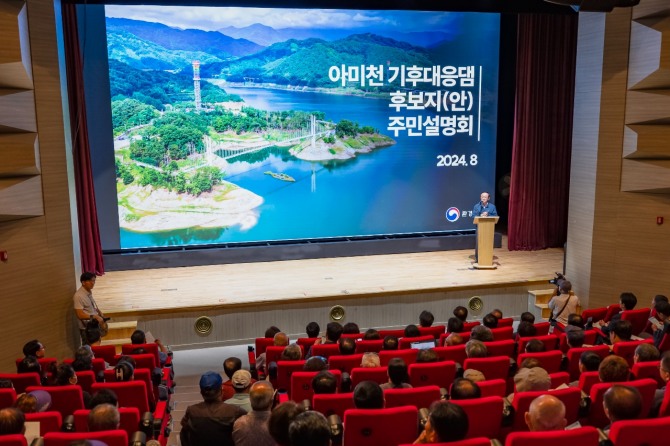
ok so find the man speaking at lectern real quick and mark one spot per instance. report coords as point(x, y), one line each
point(484, 208)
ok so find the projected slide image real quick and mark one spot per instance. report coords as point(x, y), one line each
point(248, 124)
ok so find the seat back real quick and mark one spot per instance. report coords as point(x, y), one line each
point(111, 438)
point(589, 339)
point(627, 349)
point(397, 332)
point(597, 417)
point(261, 344)
point(664, 346)
point(333, 404)
point(273, 354)
point(664, 411)
point(454, 353)
point(406, 343)
point(574, 354)
point(325, 350)
point(64, 399)
point(649, 432)
point(550, 342)
point(484, 416)
point(374, 345)
point(502, 333)
point(435, 331)
point(301, 384)
point(559, 378)
point(542, 328)
point(637, 318)
point(501, 348)
point(145, 361)
point(7, 398)
point(284, 371)
point(418, 397)
point(583, 436)
point(479, 441)
point(439, 374)
point(306, 343)
point(648, 370)
point(85, 379)
point(149, 348)
point(505, 322)
point(13, 440)
point(141, 375)
point(407, 354)
point(129, 393)
point(587, 380)
point(106, 352)
point(22, 381)
point(366, 427)
point(467, 326)
point(521, 403)
point(596, 314)
point(493, 387)
point(50, 421)
point(550, 361)
point(376, 374)
point(611, 311)
point(130, 420)
point(495, 367)
point(345, 363)
point(465, 335)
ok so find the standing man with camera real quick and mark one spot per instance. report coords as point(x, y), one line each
point(85, 306)
point(564, 304)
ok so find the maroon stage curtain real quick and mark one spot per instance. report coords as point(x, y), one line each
point(89, 235)
point(540, 183)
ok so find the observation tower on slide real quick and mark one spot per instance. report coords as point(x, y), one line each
point(196, 83)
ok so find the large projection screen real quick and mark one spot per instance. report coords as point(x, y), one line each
point(235, 124)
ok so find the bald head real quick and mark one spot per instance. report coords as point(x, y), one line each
point(546, 413)
point(261, 395)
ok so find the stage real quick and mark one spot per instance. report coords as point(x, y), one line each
point(380, 291)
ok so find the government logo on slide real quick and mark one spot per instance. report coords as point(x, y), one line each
point(453, 214)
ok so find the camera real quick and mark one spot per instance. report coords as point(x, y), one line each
point(558, 279)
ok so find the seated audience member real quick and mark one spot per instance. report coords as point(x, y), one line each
point(280, 421)
point(461, 313)
point(83, 360)
point(530, 380)
point(65, 375)
point(291, 352)
point(589, 362)
point(241, 383)
point(12, 421)
point(324, 383)
point(474, 375)
point(526, 330)
point(309, 429)
point(139, 337)
point(124, 371)
point(271, 332)
point(656, 299)
point(209, 422)
point(627, 301)
point(347, 346)
point(33, 402)
point(646, 353)
point(546, 413)
point(622, 403)
point(368, 395)
point(315, 364)
point(333, 333)
point(530, 363)
point(230, 366)
point(475, 349)
point(34, 348)
point(390, 343)
point(574, 336)
point(252, 429)
point(426, 355)
point(481, 333)
point(30, 364)
point(613, 369)
point(351, 328)
point(312, 329)
point(6, 384)
point(412, 331)
point(497, 313)
point(490, 321)
point(464, 389)
point(426, 318)
point(447, 422)
point(575, 320)
point(371, 335)
point(454, 325)
point(280, 339)
point(92, 337)
point(663, 316)
point(534, 346)
point(453, 339)
point(104, 417)
point(104, 396)
point(664, 371)
point(398, 375)
point(621, 331)
point(527, 316)
point(370, 359)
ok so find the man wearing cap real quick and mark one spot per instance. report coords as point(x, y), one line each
point(241, 383)
point(210, 422)
point(252, 428)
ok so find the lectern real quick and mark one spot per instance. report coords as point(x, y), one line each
point(485, 226)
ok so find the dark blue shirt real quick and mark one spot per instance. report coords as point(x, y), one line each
point(490, 208)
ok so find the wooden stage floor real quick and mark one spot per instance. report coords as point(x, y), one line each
point(166, 290)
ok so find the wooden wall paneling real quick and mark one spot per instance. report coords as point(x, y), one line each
point(20, 197)
point(652, 176)
point(646, 141)
point(15, 65)
point(20, 154)
point(649, 53)
point(17, 111)
point(648, 8)
point(648, 106)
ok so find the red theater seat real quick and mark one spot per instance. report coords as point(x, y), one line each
point(597, 417)
point(50, 421)
point(542, 328)
point(284, 371)
point(380, 427)
point(648, 370)
point(611, 311)
point(596, 314)
point(501, 348)
point(587, 380)
point(627, 349)
point(306, 343)
point(261, 344)
point(650, 432)
point(559, 378)
point(589, 339)
point(406, 343)
point(550, 342)
point(301, 384)
point(22, 381)
point(454, 353)
point(505, 322)
point(574, 354)
point(345, 363)
point(130, 420)
point(479, 441)
point(521, 403)
point(336, 403)
point(584, 436)
point(376, 374)
point(111, 438)
point(439, 374)
point(408, 355)
point(106, 352)
point(550, 361)
point(495, 367)
point(493, 387)
point(484, 416)
point(468, 326)
point(502, 333)
point(13, 440)
point(637, 318)
point(365, 346)
point(418, 397)
point(7, 398)
point(85, 379)
point(325, 350)
point(398, 333)
point(435, 331)
point(64, 399)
